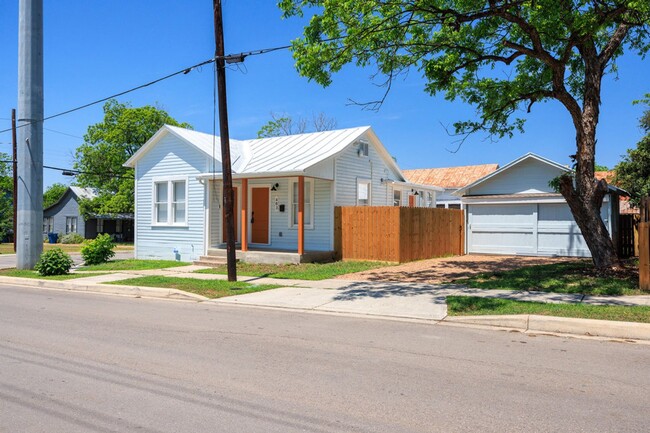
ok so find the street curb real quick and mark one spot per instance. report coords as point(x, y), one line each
point(560, 325)
point(136, 291)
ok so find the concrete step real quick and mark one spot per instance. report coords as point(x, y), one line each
point(210, 261)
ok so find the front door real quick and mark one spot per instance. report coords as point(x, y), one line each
point(259, 215)
point(223, 216)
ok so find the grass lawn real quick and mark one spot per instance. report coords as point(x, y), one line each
point(566, 277)
point(303, 271)
point(475, 306)
point(207, 288)
point(34, 274)
point(133, 265)
point(68, 248)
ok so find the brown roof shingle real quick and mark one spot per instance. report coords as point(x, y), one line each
point(449, 177)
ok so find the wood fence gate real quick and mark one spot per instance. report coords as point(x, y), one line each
point(644, 245)
point(626, 241)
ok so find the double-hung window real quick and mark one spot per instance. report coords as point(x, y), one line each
point(397, 197)
point(170, 202)
point(308, 216)
point(71, 225)
point(100, 225)
point(48, 224)
point(363, 192)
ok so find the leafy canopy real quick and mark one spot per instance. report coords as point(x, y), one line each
point(633, 172)
point(280, 125)
point(107, 145)
point(498, 55)
point(53, 193)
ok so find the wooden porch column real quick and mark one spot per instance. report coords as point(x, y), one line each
point(244, 214)
point(301, 215)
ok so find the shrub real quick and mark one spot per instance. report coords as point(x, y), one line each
point(71, 238)
point(54, 262)
point(99, 250)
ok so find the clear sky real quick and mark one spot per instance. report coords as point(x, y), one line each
point(94, 49)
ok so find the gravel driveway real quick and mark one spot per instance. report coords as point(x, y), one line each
point(448, 269)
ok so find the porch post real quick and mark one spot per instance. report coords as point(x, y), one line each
point(301, 215)
point(244, 214)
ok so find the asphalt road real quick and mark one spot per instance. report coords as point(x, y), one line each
point(73, 362)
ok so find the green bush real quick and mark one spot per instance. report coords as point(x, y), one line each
point(71, 238)
point(99, 250)
point(54, 262)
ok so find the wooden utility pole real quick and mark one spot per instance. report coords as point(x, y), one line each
point(228, 197)
point(14, 168)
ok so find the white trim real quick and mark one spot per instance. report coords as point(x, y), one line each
point(401, 195)
point(291, 182)
point(249, 230)
point(135, 215)
point(365, 181)
point(170, 194)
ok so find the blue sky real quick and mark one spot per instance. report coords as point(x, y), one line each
point(95, 49)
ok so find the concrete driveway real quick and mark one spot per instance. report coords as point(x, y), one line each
point(450, 269)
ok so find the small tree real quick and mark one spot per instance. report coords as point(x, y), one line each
point(280, 125)
point(633, 172)
point(53, 193)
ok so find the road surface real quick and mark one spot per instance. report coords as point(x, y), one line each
point(72, 362)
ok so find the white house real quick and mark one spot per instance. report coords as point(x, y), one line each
point(513, 210)
point(178, 192)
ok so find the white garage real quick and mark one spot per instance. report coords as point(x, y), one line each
point(514, 211)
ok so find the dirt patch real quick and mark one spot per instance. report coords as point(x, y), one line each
point(449, 269)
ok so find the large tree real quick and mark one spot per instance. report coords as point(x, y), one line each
point(283, 124)
point(500, 56)
point(107, 145)
point(53, 193)
point(633, 172)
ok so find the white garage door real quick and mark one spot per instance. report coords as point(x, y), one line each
point(543, 229)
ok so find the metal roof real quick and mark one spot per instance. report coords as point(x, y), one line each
point(84, 193)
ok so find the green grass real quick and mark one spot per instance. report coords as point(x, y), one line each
point(133, 265)
point(207, 288)
point(475, 306)
point(303, 271)
point(34, 274)
point(566, 277)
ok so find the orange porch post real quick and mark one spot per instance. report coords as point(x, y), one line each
point(301, 215)
point(244, 214)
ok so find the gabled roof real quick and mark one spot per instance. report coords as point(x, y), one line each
point(286, 155)
point(449, 177)
point(81, 193)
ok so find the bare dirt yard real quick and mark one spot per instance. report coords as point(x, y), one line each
point(449, 269)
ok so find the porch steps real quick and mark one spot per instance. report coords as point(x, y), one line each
point(210, 260)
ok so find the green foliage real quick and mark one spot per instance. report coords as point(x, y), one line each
point(54, 262)
point(633, 172)
point(107, 145)
point(599, 167)
point(501, 57)
point(53, 193)
point(99, 250)
point(71, 238)
point(6, 196)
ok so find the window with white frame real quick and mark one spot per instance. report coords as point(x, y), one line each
point(170, 202)
point(100, 225)
point(48, 224)
point(397, 197)
point(429, 199)
point(363, 192)
point(363, 148)
point(71, 225)
point(308, 216)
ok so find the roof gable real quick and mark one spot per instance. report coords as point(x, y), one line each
point(528, 174)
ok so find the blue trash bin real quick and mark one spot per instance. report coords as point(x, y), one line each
point(53, 237)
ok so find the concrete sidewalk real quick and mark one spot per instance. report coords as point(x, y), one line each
point(414, 301)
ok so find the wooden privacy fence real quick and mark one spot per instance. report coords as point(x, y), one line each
point(644, 246)
point(397, 234)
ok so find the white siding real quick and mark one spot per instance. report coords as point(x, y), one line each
point(349, 167)
point(171, 157)
point(529, 176)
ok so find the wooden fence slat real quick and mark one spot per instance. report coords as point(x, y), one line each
point(644, 256)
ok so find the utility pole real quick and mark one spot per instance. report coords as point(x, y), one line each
point(29, 239)
point(14, 170)
point(226, 170)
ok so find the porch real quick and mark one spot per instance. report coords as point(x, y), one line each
point(217, 256)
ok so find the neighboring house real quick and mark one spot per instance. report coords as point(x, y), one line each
point(449, 178)
point(624, 202)
point(179, 191)
point(63, 217)
point(514, 211)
